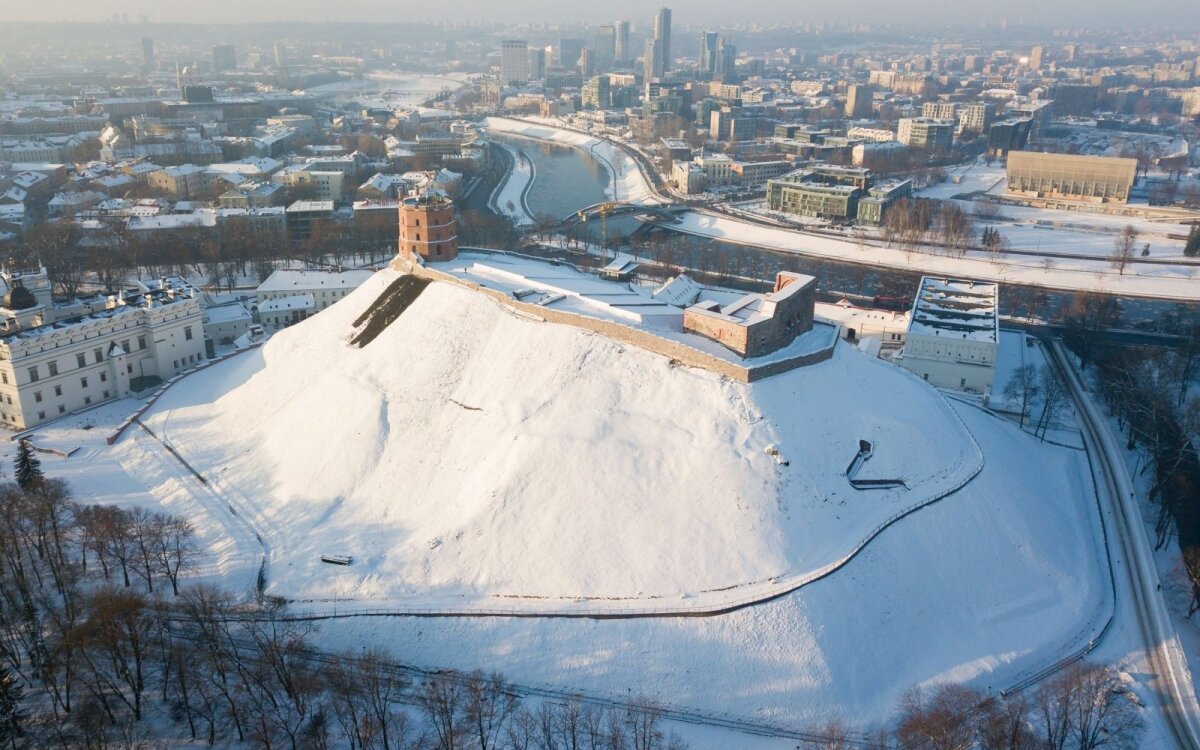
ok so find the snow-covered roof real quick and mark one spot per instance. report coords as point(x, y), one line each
point(172, 221)
point(226, 313)
point(755, 308)
point(292, 302)
point(286, 279)
point(680, 291)
point(183, 170)
point(955, 308)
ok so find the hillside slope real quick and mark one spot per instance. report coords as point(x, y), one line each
point(466, 455)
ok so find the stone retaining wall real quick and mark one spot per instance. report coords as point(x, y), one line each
point(674, 350)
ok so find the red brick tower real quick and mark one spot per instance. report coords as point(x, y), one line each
point(428, 228)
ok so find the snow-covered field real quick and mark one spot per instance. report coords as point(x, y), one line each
point(471, 459)
point(982, 588)
point(627, 183)
point(1055, 230)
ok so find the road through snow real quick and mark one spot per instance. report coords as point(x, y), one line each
point(1175, 690)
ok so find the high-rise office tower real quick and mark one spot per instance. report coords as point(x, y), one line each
point(652, 62)
point(280, 55)
point(858, 100)
point(537, 62)
point(224, 57)
point(662, 33)
point(621, 51)
point(566, 54)
point(149, 62)
point(1035, 57)
point(708, 55)
point(725, 64)
point(604, 44)
point(514, 61)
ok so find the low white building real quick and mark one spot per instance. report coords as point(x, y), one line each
point(281, 312)
point(323, 287)
point(954, 334)
point(56, 359)
point(856, 323)
point(225, 323)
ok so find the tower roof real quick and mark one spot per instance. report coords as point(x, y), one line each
point(19, 298)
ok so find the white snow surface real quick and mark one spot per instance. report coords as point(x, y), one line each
point(468, 457)
point(1004, 579)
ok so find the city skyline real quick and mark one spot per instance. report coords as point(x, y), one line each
point(1102, 13)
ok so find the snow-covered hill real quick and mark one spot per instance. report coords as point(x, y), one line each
point(470, 457)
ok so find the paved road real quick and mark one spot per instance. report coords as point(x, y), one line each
point(1171, 676)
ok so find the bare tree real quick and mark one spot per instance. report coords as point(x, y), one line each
point(833, 734)
point(146, 528)
point(175, 549)
point(1005, 724)
point(1123, 248)
point(642, 720)
point(1087, 707)
point(280, 676)
point(938, 719)
point(113, 642)
point(214, 647)
point(571, 721)
point(1088, 317)
point(443, 699)
point(115, 532)
point(521, 731)
point(1023, 386)
point(489, 704)
point(1054, 396)
point(1104, 713)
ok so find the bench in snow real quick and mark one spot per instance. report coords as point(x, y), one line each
point(337, 559)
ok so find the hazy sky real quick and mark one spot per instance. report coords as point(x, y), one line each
point(1090, 13)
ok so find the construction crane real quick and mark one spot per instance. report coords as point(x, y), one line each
point(602, 210)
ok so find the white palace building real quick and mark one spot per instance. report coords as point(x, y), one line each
point(59, 358)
